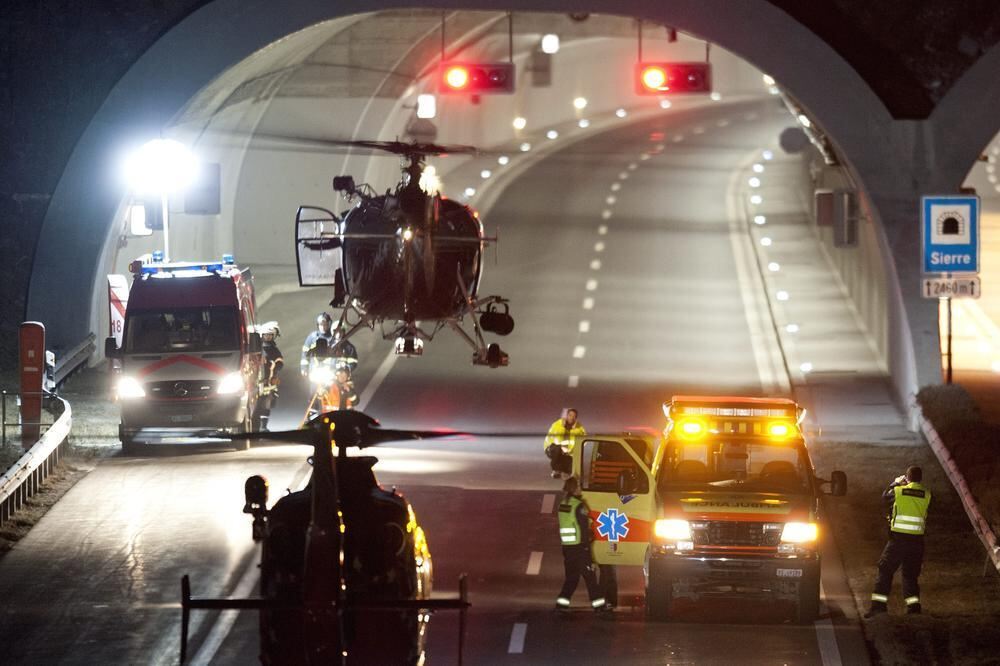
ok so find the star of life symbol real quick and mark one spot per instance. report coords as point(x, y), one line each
point(612, 524)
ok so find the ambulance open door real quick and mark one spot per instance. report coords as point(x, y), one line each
point(623, 521)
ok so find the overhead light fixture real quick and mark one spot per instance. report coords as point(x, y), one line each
point(580, 103)
point(525, 147)
point(550, 43)
point(583, 123)
point(621, 113)
point(503, 160)
point(552, 134)
point(426, 106)
point(520, 123)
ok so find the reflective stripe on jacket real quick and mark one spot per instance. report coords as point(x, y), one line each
point(574, 522)
point(909, 509)
point(560, 434)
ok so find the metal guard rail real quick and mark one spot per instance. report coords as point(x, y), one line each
point(73, 358)
point(24, 477)
point(979, 523)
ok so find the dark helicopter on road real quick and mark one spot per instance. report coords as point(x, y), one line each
point(409, 257)
point(345, 570)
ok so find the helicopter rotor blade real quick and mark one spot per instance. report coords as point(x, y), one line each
point(395, 147)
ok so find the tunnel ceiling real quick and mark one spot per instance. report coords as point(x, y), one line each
point(382, 54)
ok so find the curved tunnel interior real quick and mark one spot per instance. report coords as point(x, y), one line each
point(649, 241)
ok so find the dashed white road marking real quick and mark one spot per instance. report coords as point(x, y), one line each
point(633, 166)
point(574, 381)
point(585, 326)
point(678, 138)
point(595, 265)
point(548, 502)
point(615, 187)
point(699, 130)
point(605, 214)
point(588, 303)
point(602, 230)
point(534, 563)
point(579, 351)
point(517, 634)
point(644, 157)
point(591, 285)
point(599, 246)
point(611, 199)
point(623, 175)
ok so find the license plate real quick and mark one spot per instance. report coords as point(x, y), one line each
point(789, 573)
point(181, 418)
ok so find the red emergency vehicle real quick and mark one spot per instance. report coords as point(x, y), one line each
point(188, 353)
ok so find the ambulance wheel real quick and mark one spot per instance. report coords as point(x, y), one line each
point(807, 606)
point(659, 595)
point(244, 428)
point(130, 447)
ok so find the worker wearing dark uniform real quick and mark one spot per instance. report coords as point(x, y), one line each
point(907, 523)
point(575, 534)
point(271, 364)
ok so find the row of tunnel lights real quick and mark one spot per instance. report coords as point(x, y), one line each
point(520, 123)
point(766, 241)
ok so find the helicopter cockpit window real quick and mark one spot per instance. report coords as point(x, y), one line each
point(317, 246)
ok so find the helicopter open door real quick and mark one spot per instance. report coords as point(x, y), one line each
point(318, 247)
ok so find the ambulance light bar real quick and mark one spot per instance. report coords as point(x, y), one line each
point(182, 268)
point(735, 411)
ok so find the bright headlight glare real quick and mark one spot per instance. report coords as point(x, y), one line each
point(321, 375)
point(231, 383)
point(800, 532)
point(129, 387)
point(673, 529)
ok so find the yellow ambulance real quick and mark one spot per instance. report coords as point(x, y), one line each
point(725, 504)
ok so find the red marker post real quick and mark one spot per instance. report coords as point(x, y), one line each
point(31, 338)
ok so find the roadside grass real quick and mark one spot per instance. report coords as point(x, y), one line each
point(960, 597)
point(974, 443)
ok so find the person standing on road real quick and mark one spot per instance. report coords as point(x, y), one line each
point(575, 534)
point(324, 324)
point(269, 369)
point(907, 523)
point(560, 441)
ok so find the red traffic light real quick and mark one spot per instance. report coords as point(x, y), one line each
point(477, 77)
point(659, 78)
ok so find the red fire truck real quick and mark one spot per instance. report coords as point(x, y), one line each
point(187, 352)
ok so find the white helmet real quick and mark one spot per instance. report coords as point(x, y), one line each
point(270, 327)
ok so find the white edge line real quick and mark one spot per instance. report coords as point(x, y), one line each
point(517, 634)
point(826, 638)
point(380, 375)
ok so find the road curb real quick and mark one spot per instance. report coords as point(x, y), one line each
point(979, 523)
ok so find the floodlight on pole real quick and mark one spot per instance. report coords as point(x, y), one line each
point(161, 167)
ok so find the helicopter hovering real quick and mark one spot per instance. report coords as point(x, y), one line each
point(345, 571)
point(408, 257)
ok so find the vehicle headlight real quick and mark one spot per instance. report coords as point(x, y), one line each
point(129, 388)
point(321, 375)
point(800, 532)
point(673, 529)
point(231, 383)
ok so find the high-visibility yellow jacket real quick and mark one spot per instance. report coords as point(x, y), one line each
point(574, 522)
point(560, 434)
point(909, 509)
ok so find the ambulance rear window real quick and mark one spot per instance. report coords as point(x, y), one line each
point(182, 329)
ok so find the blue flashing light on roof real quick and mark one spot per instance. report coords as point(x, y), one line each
point(228, 259)
point(182, 269)
point(157, 255)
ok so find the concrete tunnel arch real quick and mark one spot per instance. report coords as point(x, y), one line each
point(66, 290)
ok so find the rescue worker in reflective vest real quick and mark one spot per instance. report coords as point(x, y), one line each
point(575, 534)
point(907, 524)
point(560, 441)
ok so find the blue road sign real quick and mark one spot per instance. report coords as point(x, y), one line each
point(950, 234)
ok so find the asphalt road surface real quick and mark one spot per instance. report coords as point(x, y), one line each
point(616, 311)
